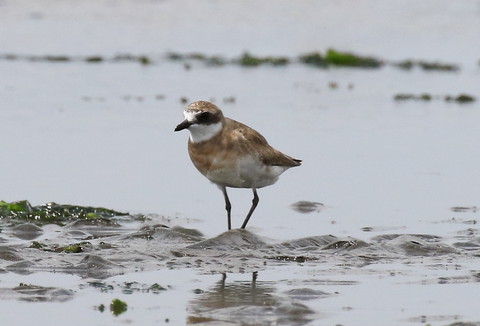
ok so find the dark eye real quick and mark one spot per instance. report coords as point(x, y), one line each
point(204, 117)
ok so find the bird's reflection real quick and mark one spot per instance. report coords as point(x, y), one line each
point(238, 293)
point(251, 302)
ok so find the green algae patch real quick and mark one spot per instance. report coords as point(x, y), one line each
point(101, 307)
point(157, 288)
point(438, 66)
point(73, 248)
point(208, 60)
point(348, 59)
point(404, 97)
point(18, 206)
point(245, 60)
point(425, 97)
point(54, 58)
point(339, 58)
point(330, 58)
point(460, 99)
point(118, 307)
point(314, 59)
point(413, 97)
point(405, 64)
point(174, 56)
point(76, 247)
point(248, 60)
point(94, 59)
point(144, 60)
point(427, 65)
point(21, 211)
point(38, 245)
point(215, 61)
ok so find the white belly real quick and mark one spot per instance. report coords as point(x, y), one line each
point(246, 173)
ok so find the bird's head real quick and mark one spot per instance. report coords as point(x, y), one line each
point(203, 119)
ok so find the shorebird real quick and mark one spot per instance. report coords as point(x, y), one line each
point(231, 154)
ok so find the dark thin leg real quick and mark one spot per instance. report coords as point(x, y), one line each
point(228, 207)
point(254, 205)
point(254, 287)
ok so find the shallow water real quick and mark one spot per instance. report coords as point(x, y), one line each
point(394, 239)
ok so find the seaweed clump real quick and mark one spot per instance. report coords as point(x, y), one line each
point(461, 99)
point(331, 57)
point(338, 58)
point(415, 97)
point(52, 212)
point(118, 307)
point(438, 66)
point(427, 66)
point(249, 60)
point(142, 59)
point(52, 58)
point(314, 59)
point(94, 59)
point(209, 60)
point(351, 60)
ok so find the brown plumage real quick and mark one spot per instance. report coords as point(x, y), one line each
point(231, 154)
point(233, 141)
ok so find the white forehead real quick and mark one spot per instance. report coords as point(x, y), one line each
point(190, 115)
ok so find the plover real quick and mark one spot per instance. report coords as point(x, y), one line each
point(231, 154)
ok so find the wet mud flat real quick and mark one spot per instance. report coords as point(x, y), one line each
point(235, 278)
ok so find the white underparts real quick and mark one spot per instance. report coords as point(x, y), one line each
point(246, 172)
point(199, 132)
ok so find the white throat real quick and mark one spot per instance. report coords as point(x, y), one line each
point(199, 133)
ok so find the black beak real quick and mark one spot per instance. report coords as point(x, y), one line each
point(183, 125)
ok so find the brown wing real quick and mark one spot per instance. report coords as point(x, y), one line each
point(249, 140)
